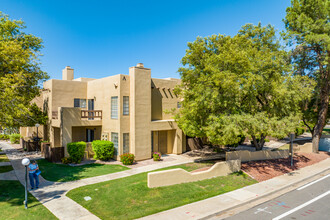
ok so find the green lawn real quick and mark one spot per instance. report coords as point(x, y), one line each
point(4, 169)
point(3, 158)
point(285, 147)
point(130, 197)
point(12, 195)
point(64, 173)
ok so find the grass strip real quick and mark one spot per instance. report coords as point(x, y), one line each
point(63, 173)
point(3, 158)
point(12, 207)
point(130, 197)
point(4, 169)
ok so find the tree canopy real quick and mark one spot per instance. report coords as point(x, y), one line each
point(308, 32)
point(239, 85)
point(20, 74)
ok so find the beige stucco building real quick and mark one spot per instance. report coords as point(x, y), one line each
point(126, 109)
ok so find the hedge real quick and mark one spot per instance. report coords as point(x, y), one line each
point(4, 136)
point(103, 150)
point(76, 151)
point(14, 138)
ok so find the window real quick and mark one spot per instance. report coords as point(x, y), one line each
point(114, 107)
point(79, 103)
point(126, 105)
point(126, 143)
point(179, 104)
point(114, 139)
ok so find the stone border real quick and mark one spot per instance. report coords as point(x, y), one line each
point(246, 156)
point(177, 176)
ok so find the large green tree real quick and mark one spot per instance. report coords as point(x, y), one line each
point(20, 74)
point(239, 85)
point(308, 27)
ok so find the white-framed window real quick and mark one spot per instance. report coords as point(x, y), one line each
point(125, 143)
point(79, 103)
point(126, 105)
point(114, 107)
point(114, 140)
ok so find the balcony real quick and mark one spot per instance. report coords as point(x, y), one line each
point(91, 114)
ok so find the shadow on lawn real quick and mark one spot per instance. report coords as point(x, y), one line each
point(14, 194)
point(281, 165)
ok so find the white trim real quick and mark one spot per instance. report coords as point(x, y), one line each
point(311, 183)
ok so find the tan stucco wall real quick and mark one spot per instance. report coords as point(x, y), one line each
point(245, 155)
point(140, 115)
point(306, 148)
point(163, 98)
point(177, 176)
point(28, 132)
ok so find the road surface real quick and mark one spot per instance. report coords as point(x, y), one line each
point(311, 201)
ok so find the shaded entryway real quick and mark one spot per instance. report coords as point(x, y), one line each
point(163, 141)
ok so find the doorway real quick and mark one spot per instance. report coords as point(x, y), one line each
point(90, 107)
point(89, 135)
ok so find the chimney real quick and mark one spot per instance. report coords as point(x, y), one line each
point(67, 73)
point(140, 65)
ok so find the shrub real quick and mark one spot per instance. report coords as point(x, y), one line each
point(76, 151)
point(14, 138)
point(299, 131)
point(156, 156)
point(4, 136)
point(66, 160)
point(127, 159)
point(103, 150)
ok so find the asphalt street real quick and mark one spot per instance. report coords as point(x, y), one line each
point(311, 201)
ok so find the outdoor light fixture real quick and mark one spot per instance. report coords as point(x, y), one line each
point(292, 137)
point(25, 162)
point(37, 125)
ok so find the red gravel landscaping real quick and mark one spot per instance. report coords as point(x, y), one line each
point(267, 169)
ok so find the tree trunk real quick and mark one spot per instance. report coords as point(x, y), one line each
point(323, 111)
point(258, 145)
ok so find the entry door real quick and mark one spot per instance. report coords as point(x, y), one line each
point(89, 135)
point(162, 142)
point(91, 107)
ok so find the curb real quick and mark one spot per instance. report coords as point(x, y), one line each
point(266, 195)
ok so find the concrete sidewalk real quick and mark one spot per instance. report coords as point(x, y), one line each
point(52, 194)
point(211, 206)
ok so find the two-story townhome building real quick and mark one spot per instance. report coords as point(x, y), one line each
point(125, 109)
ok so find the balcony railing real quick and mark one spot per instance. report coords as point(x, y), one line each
point(91, 114)
point(54, 114)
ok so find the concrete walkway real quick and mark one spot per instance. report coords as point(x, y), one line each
point(212, 206)
point(52, 194)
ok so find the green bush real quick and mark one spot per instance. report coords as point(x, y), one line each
point(299, 131)
point(156, 156)
point(14, 138)
point(4, 136)
point(103, 150)
point(76, 151)
point(240, 141)
point(66, 160)
point(127, 159)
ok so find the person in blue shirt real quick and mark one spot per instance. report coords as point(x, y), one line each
point(32, 168)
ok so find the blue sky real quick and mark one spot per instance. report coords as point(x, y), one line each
point(103, 38)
